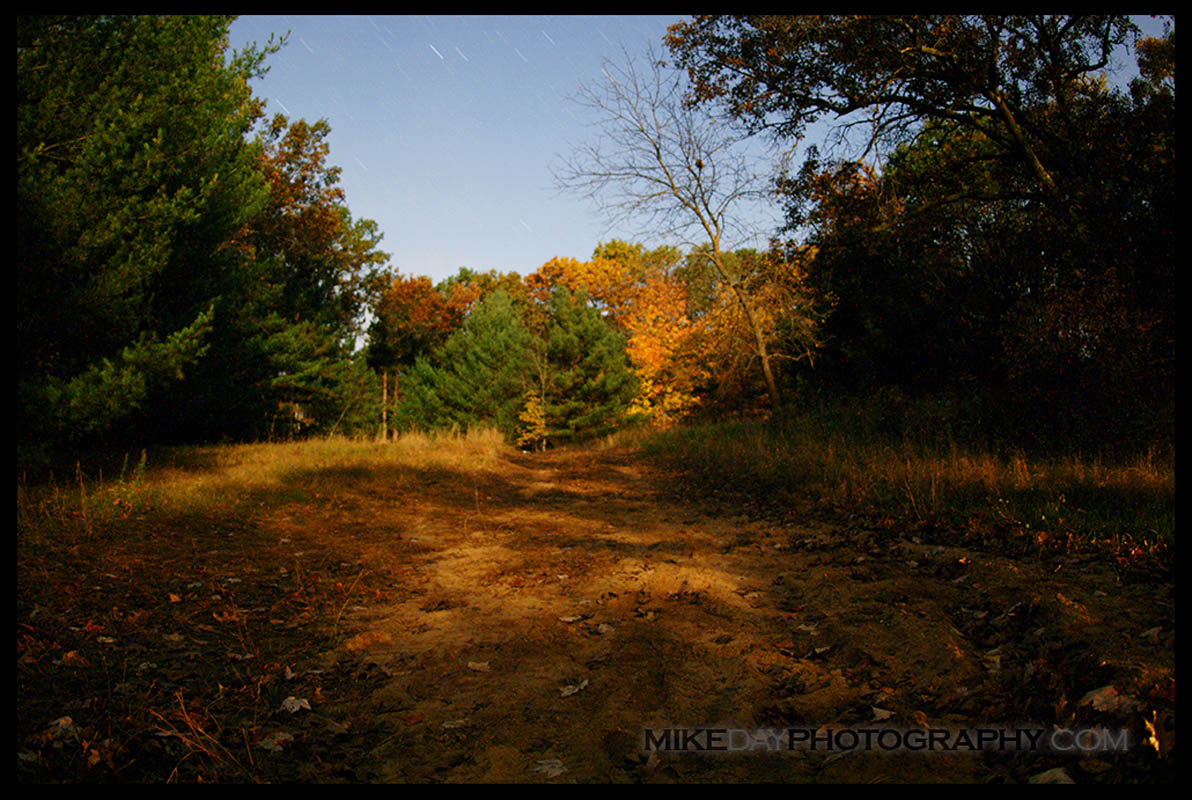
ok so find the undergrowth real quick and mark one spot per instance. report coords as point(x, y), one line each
point(919, 466)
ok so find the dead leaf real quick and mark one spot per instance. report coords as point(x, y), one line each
point(551, 767)
point(1159, 736)
point(880, 714)
point(72, 659)
point(1107, 698)
point(1057, 775)
point(175, 598)
point(478, 666)
point(1151, 634)
point(294, 705)
point(567, 691)
point(274, 742)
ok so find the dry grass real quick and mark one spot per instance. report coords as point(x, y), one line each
point(212, 480)
point(136, 582)
point(1130, 500)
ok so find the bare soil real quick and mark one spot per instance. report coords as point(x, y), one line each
point(530, 623)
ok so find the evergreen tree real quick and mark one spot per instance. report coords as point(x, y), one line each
point(589, 382)
point(133, 177)
point(477, 377)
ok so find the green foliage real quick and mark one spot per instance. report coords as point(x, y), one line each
point(133, 174)
point(589, 382)
point(177, 280)
point(477, 378)
point(105, 392)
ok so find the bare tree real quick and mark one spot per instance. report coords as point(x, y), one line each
point(672, 169)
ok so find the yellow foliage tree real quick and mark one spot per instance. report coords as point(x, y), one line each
point(665, 347)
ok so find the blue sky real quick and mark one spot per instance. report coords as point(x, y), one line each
point(446, 127)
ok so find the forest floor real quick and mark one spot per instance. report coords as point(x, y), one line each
point(545, 617)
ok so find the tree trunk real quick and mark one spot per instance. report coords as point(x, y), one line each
point(385, 404)
point(758, 339)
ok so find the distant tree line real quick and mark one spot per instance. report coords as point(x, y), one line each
point(996, 226)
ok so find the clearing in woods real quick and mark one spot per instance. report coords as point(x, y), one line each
point(527, 618)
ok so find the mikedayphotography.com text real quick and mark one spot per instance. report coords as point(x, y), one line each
point(1076, 741)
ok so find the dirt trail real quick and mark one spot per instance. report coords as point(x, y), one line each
point(541, 615)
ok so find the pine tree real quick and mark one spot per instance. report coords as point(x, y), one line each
point(133, 177)
point(590, 384)
point(477, 377)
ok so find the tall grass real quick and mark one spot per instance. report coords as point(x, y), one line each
point(211, 481)
point(918, 463)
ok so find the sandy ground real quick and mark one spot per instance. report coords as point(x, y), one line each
point(532, 622)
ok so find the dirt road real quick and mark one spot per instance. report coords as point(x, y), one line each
point(531, 622)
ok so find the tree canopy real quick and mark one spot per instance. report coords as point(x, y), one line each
point(1000, 217)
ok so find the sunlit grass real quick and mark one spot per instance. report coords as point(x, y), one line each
point(213, 480)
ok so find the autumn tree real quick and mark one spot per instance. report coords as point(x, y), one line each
point(662, 162)
point(1012, 226)
point(788, 316)
point(291, 325)
point(412, 319)
point(887, 74)
point(468, 286)
point(667, 350)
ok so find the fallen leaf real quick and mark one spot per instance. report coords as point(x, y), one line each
point(567, 691)
point(1095, 766)
point(551, 767)
point(294, 705)
point(572, 618)
point(1057, 775)
point(275, 741)
point(1107, 698)
point(73, 659)
point(1151, 634)
point(1159, 736)
point(175, 598)
point(478, 666)
point(880, 714)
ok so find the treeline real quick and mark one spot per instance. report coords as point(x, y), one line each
point(1003, 239)
point(578, 349)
